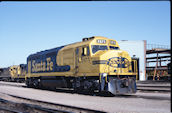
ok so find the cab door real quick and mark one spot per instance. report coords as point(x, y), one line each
point(82, 60)
point(76, 61)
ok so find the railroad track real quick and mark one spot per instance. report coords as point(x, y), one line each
point(12, 107)
point(154, 86)
point(153, 89)
point(36, 106)
point(13, 84)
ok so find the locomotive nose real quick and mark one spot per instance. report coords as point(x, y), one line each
point(116, 58)
point(114, 53)
point(115, 62)
point(117, 67)
point(118, 62)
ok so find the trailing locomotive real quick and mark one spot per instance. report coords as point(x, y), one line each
point(18, 72)
point(96, 63)
point(5, 74)
point(15, 73)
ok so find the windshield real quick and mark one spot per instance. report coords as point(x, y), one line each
point(113, 48)
point(96, 48)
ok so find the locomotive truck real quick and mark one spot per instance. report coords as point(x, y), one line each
point(96, 63)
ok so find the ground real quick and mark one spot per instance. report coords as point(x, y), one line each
point(141, 102)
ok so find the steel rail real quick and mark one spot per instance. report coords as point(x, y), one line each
point(36, 107)
point(71, 108)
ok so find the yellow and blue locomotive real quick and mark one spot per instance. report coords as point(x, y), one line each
point(15, 73)
point(18, 72)
point(96, 63)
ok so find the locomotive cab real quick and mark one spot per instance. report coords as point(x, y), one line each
point(116, 75)
point(104, 59)
point(114, 67)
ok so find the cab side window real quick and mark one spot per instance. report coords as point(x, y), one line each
point(85, 51)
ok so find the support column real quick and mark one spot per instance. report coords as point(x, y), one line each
point(155, 67)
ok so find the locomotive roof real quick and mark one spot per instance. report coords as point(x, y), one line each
point(72, 45)
point(88, 41)
point(46, 51)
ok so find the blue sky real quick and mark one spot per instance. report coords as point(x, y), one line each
point(29, 27)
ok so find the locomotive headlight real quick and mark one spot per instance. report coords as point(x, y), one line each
point(104, 74)
point(104, 77)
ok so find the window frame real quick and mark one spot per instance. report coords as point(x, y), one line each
point(99, 49)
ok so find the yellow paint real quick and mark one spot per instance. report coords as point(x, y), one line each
point(41, 66)
point(81, 64)
point(17, 72)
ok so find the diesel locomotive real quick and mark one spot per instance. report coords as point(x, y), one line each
point(95, 63)
point(18, 72)
point(5, 74)
point(15, 73)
